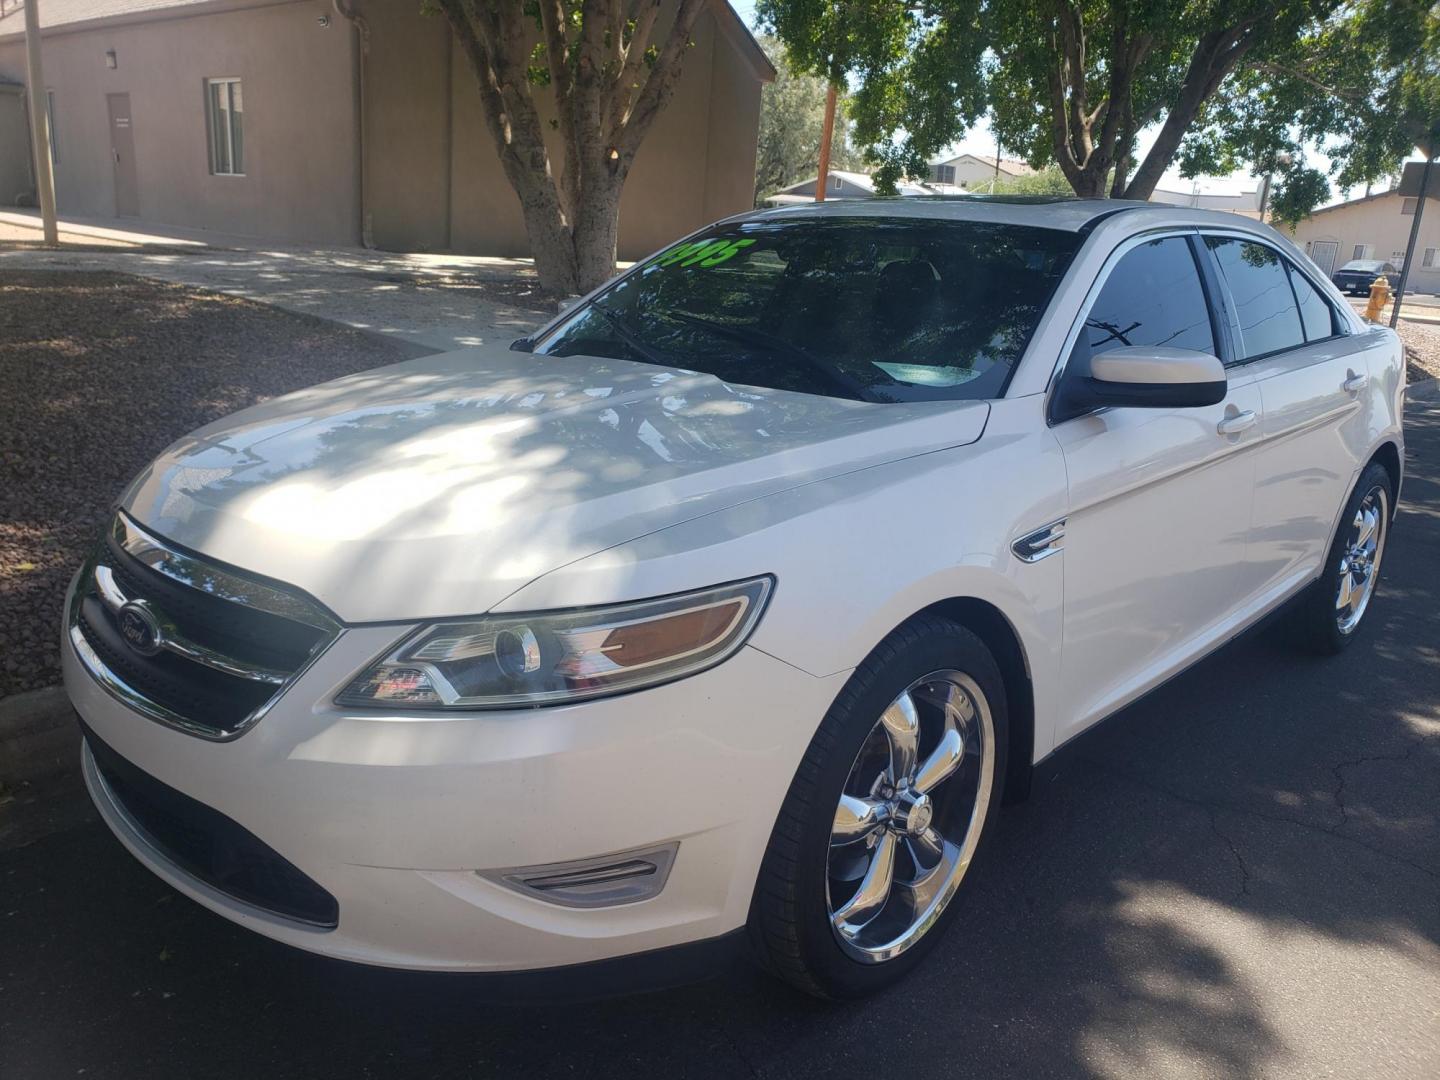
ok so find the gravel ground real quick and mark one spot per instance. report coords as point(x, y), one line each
point(100, 372)
point(1422, 349)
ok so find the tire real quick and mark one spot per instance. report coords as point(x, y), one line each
point(1323, 625)
point(798, 923)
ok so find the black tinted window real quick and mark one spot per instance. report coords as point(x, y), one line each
point(872, 308)
point(1316, 314)
point(1264, 305)
point(1152, 297)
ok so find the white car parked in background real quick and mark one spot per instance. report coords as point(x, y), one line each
point(737, 596)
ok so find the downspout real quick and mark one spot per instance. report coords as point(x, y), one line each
point(362, 48)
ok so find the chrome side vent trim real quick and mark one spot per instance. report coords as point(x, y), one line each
point(1040, 544)
point(624, 878)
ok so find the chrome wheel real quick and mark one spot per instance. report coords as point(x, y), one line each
point(910, 815)
point(1360, 554)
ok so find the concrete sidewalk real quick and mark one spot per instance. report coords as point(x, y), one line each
point(431, 302)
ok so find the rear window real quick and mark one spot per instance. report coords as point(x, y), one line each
point(873, 309)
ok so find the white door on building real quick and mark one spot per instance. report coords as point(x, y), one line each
point(1322, 253)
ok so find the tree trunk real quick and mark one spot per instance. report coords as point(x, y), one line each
point(595, 235)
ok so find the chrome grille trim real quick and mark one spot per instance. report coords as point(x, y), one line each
point(172, 639)
point(207, 577)
point(97, 582)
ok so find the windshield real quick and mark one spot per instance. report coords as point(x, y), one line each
point(873, 309)
point(1362, 264)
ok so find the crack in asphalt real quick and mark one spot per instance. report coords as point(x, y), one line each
point(1336, 771)
point(1214, 813)
point(1211, 807)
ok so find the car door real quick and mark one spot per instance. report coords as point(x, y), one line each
point(1156, 538)
point(1312, 377)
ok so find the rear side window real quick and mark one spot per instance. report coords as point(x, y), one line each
point(1265, 307)
point(1316, 315)
point(1152, 297)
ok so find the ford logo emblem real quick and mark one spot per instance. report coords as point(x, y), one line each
point(139, 627)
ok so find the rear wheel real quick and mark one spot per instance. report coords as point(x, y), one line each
point(1331, 612)
point(885, 815)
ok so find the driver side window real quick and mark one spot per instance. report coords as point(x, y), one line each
point(1153, 296)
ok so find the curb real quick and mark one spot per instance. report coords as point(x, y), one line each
point(38, 736)
point(1424, 390)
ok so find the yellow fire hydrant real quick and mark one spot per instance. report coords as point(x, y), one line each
point(1379, 297)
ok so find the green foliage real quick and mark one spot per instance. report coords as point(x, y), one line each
point(792, 114)
point(1072, 83)
point(1047, 181)
point(1363, 86)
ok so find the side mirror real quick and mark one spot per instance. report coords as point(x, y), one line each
point(1143, 376)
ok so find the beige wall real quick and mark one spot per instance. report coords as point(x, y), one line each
point(1379, 223)
point(432, 178)
point(15, 178)
point(435, 179)
point(298, 128)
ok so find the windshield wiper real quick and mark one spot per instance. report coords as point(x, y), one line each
point(632, 340)
point(852, 387)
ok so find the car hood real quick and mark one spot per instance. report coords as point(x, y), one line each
point(439, 486)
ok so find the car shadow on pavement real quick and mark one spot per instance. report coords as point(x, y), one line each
point(1237, 876)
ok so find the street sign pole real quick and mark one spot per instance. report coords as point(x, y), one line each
point(1414, 239)
point(39, 122)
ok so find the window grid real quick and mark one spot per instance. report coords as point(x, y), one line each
point(1428, 260)
point(225, 108)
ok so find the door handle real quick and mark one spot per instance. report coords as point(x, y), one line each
point(1235, 424)
point(1353, 383)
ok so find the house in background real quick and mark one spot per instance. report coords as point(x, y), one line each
point(1244, 203)
point(840, 184)
point(973, 172)
point(1375, 227)
point(284, 119)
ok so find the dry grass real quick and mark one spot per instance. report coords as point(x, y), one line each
point(99, 373)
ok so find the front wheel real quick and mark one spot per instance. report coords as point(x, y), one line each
point(1331, 612)
point(885, 814)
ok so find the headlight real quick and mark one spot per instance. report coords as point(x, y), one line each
point(559, 656)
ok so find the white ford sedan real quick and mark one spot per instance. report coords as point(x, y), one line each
point(735, 599)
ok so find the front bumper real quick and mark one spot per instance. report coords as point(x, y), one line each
point(399, 816)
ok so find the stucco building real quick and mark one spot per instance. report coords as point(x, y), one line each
point(284, 119)
point(840, 184)
point(974, 172)
point(1375, 227)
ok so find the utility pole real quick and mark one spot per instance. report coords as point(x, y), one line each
point(1414, 239)
point(828, 133)
point(39, 122)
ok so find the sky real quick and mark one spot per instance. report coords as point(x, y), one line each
point(978, 140)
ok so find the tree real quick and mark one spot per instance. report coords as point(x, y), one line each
point(1047, 181)
point(605, 69)
point(1363, 85)
point(792, 113)
point(1069, 82)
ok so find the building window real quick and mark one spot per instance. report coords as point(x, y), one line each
point(1397, 257)
point(944, 174)
point(1428, 260)
point(1361, 251)
point(1408, 206)
point(225, 118)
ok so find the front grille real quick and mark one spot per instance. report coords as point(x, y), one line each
point(188, 642)
point(210, 846)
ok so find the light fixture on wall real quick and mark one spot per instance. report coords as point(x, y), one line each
point(110, 61)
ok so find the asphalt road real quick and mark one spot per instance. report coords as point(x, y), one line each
point(1239, 876)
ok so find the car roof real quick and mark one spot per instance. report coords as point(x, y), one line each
point(1044, 211)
